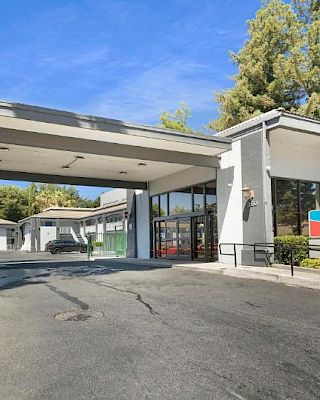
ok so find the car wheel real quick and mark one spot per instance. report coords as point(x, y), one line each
point(57, 251)
point(83, 250)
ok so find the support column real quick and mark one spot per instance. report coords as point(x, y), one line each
point(19, 244)
point(37, 230)
point(33, 234)
point(104, 224)
point(131, 221)
point(58, 229)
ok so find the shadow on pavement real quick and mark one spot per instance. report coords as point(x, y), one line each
point(17, 274)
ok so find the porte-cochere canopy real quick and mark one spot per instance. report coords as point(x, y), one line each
point(45, 145)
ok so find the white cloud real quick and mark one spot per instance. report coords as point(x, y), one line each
point(160, 87)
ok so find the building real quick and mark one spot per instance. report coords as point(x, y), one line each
point(65, 223)
point(186, 193)
point(8, 235)
point(265, 186)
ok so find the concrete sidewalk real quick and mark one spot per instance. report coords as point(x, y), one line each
point(308, 278)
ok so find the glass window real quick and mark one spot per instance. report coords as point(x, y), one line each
point(309, 200)
point(180, 201)
point(155, 206)
point(211, 196)
point(286, 207)
point(198, 198)
point(163, 205)
point(162, 237)
point(48, 223)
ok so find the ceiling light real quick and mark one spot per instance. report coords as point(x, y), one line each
point(76, 158)
point(123, 173)
point(4, 148)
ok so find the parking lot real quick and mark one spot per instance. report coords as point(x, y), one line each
point(143, 330)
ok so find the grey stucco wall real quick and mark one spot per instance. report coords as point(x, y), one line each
point(132, 233)
point(143, 224)
point(256, 219)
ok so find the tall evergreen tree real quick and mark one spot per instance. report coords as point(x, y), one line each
point(279, 65)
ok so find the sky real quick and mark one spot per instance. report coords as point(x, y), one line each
point(122, 59)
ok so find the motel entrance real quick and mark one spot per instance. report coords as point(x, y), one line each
point(187, 238)
point(184, 223)
point(53, 146)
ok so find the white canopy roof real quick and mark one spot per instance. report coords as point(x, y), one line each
point(45, 145)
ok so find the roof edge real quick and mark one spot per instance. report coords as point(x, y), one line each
point(268, 117)
point(116, 122)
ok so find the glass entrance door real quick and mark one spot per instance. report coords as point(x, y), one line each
point(184, 235)
point(205, 238)
point(199, 238)
point(173, 239)
point(212, 237)
point(187, 238)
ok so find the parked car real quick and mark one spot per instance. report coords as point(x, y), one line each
point(60, 246)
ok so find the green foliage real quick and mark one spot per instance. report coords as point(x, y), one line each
point(55, 196)
point(97, 244)
point(283, 245)
point(88, 203)
point(177, 120)
point(18, 203)
point(311, 263)
point(14, 203)
point(279, 65)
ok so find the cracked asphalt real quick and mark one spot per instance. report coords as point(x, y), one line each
point(167, 333)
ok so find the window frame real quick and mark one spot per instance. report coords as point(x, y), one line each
point(274, 182)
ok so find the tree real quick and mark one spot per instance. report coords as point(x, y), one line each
point(305, 60)
point(88, 203)
point(13, 203)
point(17, 203)
point(31, 192)
point(178, 120)
point(54, 196)
point(278, 66)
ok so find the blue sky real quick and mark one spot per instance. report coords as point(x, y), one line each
point(123, 59)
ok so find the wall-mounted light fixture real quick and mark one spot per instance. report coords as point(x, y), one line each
point(142, 164)
point(4, 148)
point(248, 193)
point(123, 173)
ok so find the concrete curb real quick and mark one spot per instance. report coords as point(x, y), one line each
point(247, 274)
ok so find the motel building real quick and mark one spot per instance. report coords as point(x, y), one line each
point(76, 224)
point(8, 234)
point(186, 193)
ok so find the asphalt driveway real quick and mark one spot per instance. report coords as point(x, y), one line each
point(163, 333)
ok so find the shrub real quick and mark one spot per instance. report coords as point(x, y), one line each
point(97, 244)
point(311, 263)
point(283, 246)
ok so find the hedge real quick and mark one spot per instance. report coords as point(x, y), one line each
point(283, 246)
point(98, 244)
point(311, 263)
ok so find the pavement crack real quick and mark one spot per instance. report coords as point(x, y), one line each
point(253, 305)
point(66, 296)
point(138, 295)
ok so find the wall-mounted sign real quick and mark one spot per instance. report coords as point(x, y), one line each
point(314, 224)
